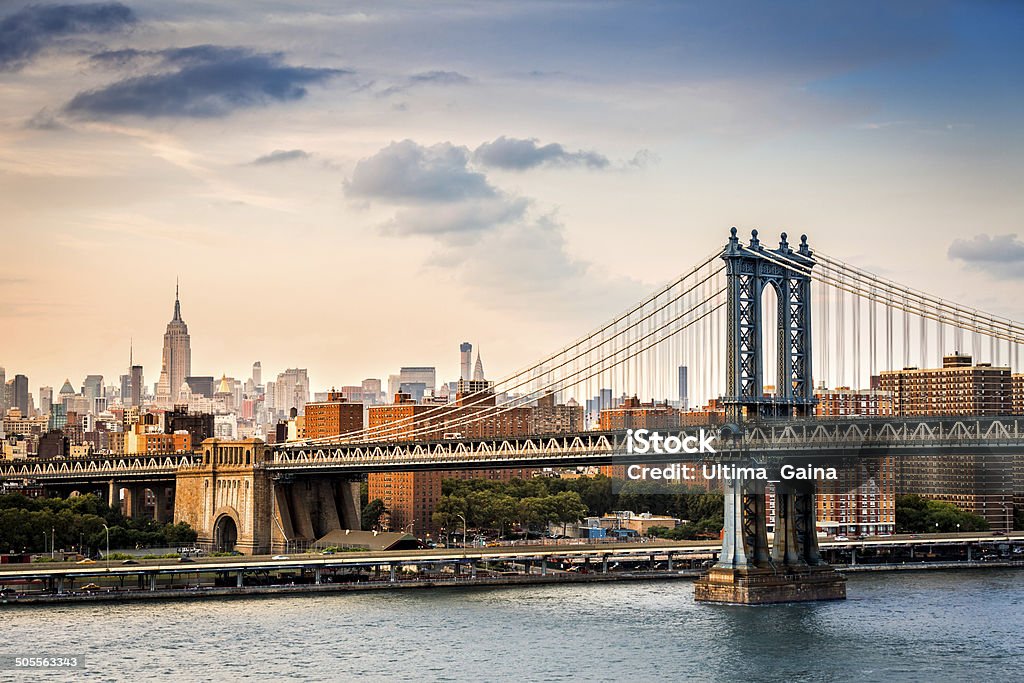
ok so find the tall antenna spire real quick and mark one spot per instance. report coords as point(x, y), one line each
point(177, 304)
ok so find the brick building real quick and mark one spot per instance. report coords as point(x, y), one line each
point(984, 483)
point(337, 415)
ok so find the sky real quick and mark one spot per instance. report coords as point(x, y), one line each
point(354, 187)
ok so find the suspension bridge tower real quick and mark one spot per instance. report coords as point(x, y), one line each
point(749, 570)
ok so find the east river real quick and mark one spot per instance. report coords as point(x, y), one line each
point(913, 626)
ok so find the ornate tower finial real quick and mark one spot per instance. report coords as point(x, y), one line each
point(783, 243)
point(754, 242)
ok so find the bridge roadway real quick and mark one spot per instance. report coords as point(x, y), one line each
point(806, 439)
point(659, 550)
point(809, 439)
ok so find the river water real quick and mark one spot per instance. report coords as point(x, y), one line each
point(913, 626)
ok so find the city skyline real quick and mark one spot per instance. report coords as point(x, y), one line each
point(387, 158)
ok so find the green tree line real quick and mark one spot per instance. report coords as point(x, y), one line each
point(536, 503)
point(916, 514)
point(27, 523)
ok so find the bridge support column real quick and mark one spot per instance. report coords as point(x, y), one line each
point(669, 561)
point(163, 498)
point(152, 582)
point(472, 570)
point(113, 499)
point(392, 577)
point(746, 573)
point(240, 579)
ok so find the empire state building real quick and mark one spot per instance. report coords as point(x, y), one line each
point(177, 358)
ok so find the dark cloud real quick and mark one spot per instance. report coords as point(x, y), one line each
point(201, 81)
point(279, 156)
point(406, 172)
point(1001, 255)
point(518, 155)
point(27, 32)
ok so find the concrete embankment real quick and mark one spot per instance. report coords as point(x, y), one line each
point(220, 592)
point(249, 591)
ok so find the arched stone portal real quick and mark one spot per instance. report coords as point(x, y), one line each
point(225, 534)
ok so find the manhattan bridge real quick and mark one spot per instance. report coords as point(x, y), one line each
point(756, 326)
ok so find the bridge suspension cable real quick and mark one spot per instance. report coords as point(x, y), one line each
point(410, 428)
point(834, 274)
point(595, 342)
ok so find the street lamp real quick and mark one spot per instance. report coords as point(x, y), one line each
point(463, 529)
point(53, 541)
point(408, 527)
point(107, 556)
point(44, 541)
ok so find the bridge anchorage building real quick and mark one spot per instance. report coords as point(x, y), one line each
point(748, 570)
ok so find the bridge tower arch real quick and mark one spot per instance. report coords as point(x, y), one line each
point(750, 268)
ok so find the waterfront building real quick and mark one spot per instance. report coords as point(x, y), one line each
point(863, 499)
point(959, 387)
point(983, 483)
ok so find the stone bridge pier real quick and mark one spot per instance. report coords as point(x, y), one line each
point(234, 503)
point(749, 570)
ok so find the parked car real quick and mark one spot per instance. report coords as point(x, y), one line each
point(280, 557)
point(842, 538)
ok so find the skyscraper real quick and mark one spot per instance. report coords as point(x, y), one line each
point(92, 387)
point(3, 386)
point(45, 400)
point(137, 383)
point(257, 373)
point(19, 394)
point(478, 369)
point(684, 389)
point(411, 375)
point(465, 360)
point(177, 357)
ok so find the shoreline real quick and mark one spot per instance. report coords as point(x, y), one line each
point(228, 592)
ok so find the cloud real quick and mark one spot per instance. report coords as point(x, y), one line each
point(406, 172)
point(427, 78)
point(519, 155)
point(488, 239)
point(460, 221)
point(279, 156)
point(27, 32)
point(202, 81)
point(44, 120)
point(1000, 255)
point(440, 78)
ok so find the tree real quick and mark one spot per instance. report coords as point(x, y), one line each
point(567, 507)
point(372, 512)
point(448, 510)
